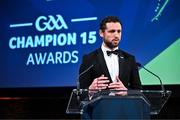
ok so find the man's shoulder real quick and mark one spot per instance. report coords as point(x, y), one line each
point(93, 53)
point(126, 54)
point(91, 57)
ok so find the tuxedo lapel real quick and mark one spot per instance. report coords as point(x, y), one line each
point(102, 63)
point(121, 63)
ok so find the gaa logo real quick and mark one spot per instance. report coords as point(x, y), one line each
point(50, 23)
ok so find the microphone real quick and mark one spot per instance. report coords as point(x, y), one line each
point(162, 86)
point(79, 91)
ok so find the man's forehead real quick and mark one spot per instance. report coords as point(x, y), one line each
point(113, 25)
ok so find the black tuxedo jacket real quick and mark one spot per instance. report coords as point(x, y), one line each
point(128, 70)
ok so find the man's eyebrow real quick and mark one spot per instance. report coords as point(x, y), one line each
point(113, 30)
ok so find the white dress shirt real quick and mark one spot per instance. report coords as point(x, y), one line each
point(111, 62)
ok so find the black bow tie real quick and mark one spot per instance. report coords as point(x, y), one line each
point(116, 52)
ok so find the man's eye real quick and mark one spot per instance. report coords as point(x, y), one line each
point(112, 31)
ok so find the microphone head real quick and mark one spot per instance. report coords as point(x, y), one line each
point(138, 64)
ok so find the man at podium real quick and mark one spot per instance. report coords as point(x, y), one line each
point(112, 79)
point(109, 67)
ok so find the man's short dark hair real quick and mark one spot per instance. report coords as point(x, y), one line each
point(108, 19)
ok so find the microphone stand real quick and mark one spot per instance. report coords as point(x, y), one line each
point(78, 90)
point(162, 86)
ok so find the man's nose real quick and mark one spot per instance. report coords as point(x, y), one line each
point(116, 34)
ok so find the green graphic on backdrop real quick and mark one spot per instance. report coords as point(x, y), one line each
point(166, 65)
point(159, 9)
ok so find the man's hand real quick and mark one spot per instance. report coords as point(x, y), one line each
point(118, 86)
point(99, 83)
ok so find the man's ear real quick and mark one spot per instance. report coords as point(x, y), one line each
point(101, 33)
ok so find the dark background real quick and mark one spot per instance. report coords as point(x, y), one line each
point(46, 103)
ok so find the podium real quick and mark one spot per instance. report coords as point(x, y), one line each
point(113, 104)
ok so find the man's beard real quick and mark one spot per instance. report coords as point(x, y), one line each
point(110, 45)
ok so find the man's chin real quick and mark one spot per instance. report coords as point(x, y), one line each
point(112, 45)
point(115, 43)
